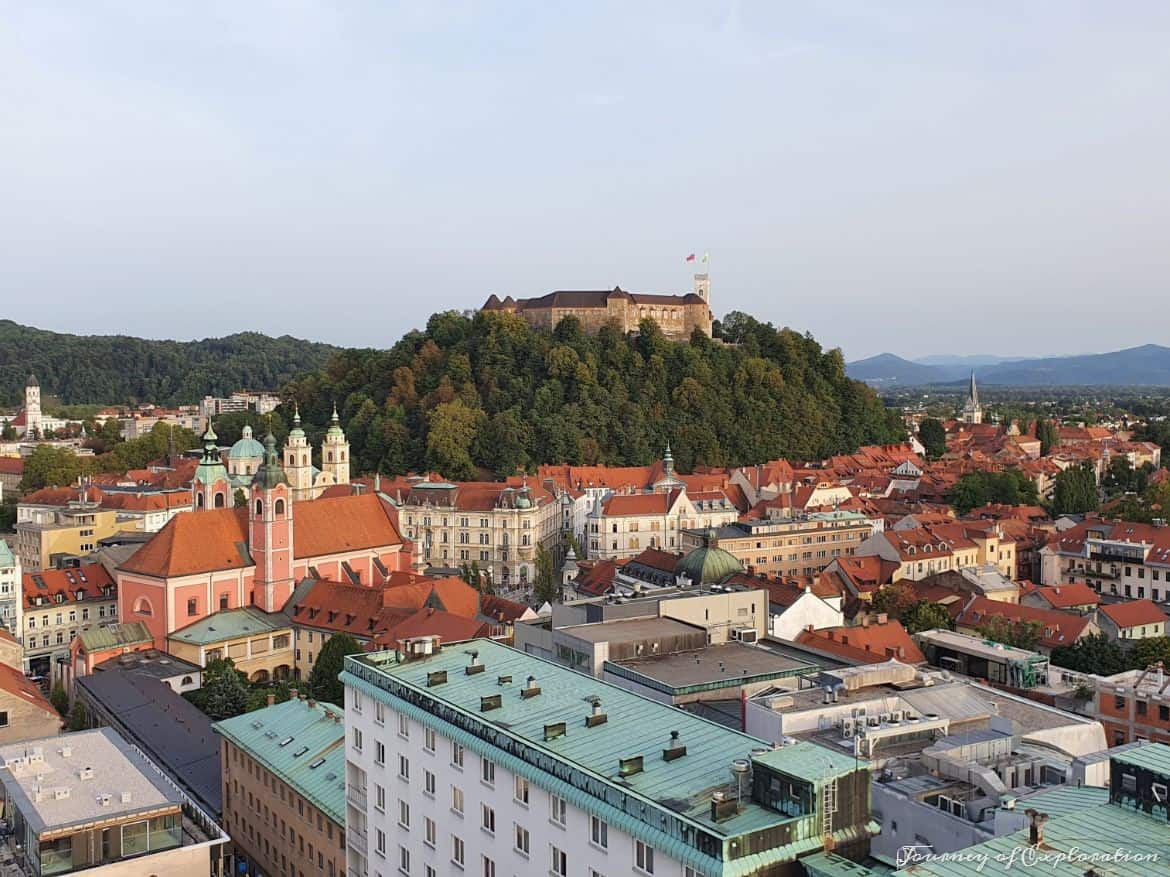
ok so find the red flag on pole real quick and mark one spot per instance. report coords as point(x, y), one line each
point(691, 257)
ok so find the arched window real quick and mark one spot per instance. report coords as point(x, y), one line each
point(259, 507)
point(219, 500)
point(331, 456)
point(304, 459)
point(199, 500)
point(278, 509)
point(343, 456)
point(187, 680)
point(142, 607)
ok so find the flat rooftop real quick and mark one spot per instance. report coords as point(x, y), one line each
point(624, 630)
point(731, 664)
point(75, 774)
point(1031, 715)
point(973, 645)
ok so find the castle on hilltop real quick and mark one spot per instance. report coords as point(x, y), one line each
point(676, 315)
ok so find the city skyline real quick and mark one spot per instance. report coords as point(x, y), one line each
point(847, 168)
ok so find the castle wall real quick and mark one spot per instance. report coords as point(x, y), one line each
point(675, 320)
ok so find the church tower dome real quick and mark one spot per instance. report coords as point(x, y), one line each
point(270, 532)
point(210, 488)
point(298, 461)
point(335, 451)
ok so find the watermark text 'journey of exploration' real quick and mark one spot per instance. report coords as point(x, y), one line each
point(1023, 857)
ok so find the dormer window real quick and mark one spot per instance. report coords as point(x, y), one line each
point(60, 598)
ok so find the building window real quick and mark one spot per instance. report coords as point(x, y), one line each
point(403, 726)
point(457, 799)
point(192, 607)
point(522, 790)
point(429, 740)
point(429, 783)
point(522, 840)
point(643, 857)
point(357, 739)
point(488, 819)
point(379, 798)
point(456, 755)
point(457, 851)
point(429, 831)
point(403, 814)
point(560, 862)
point(403, 767)
point(380, 752)
point(379, 842)
point(489, 867)
point(488, 771)
point(403, 860)
point(223, 601)
point(556, 806)
point(599, 832)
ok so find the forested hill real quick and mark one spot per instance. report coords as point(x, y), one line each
point(113, 369)
point(488, 392)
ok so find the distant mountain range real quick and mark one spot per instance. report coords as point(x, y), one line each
point(1148, 365)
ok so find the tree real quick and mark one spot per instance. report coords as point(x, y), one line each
point(1147, 652)
point(258, 695)
point(452, 429)
point(224, 693)
point(1075, 491)
point(324, 681)
point(925, 615)
point(59, 697)
point(933, 437)
point(48, 466)
point(8, 433)
point(1048, 434)
point(547, 589)
point(1010, 487)
point(1020, 633)
point(78, 717)
point(894, 599)
point(1091, 654)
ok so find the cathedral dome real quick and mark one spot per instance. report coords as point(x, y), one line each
point(247, 448)
point(708, 564)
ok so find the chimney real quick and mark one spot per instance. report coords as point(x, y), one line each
point(1036, 828)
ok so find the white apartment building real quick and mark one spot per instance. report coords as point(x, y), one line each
point(623, 524)
point(482, 760)
point(11, 596)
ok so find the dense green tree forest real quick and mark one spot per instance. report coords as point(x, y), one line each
point(487, 393)
point(114, 369)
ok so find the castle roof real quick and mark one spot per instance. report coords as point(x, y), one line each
point(564, 298)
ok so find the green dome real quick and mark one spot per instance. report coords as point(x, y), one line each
point(247, 448)
point(708, 564)
point(334, 430)
point(269, 474)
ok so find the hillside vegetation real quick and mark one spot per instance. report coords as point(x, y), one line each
point(112, 369)
point(487, 393)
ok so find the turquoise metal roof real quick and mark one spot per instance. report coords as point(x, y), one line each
point(6, 557)
point(582, 763)
point(230, 624)
point(1059, 800)
point(1069, 842)
point(247, 447)
point(833, 865)
point(299, 743)
point(811, 762)
point(1152, 756)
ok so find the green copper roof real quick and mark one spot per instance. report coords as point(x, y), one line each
point(810, 762)
point(228, 624)
point(6, 557)
point(296, 430)
point(98, 639)
point(299, 743)
point(269, 473)
point(211, 467)
point(1059, 800)
point(247, 448)
point(708, 564)
point(1152, 756)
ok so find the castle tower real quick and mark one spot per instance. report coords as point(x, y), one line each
point(270, 532)
point(972, 410)
point(298, 461)
point(335, 452)
point(32, 407)
point(668, 481)
point(210, 488)
point(703, 287)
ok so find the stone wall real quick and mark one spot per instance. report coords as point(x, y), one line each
point(676, 321)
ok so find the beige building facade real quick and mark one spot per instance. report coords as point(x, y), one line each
point(43, 532)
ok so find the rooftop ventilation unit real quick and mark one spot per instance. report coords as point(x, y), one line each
point(675, 749)
point(555, 730)
point(596, 717)
point(86, 773)
point(627, 767)
point(491, 702)
point(473, 666)
point(438, 677)
point(531, 689)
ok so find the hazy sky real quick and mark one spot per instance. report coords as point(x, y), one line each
point(917, 177)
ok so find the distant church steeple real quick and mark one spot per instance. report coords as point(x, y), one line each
point(972, 410)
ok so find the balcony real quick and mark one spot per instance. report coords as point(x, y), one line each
point(356, 797)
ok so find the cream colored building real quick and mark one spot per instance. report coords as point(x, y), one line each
point(789, 547)
point(623, 524)
point(58, 605)
point(497, 526)
point(73, 530)
point(259, 643)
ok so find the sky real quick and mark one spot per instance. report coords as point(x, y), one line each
point(915, 177)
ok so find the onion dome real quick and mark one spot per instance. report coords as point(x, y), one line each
point(334, 430)
point(269, 474)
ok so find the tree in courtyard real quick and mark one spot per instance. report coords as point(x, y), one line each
point(224, 692)
point(324, 681)
point(59, 698)
point(933, 437)
point(1075, 491)
point(1091, 654)
point(925, 615)
point(1145, 653)
point(1048, 434)
point(547, 588)
point(894, 599)
point(78, 717)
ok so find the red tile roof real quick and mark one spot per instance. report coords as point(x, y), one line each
point(217, 539)
point(66, 583)
point(11, 466)
point(1133, 613)
point(1066, 596)
point(869, 644)
point(637, 504)
point(24, 689)
point(1056, 628)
